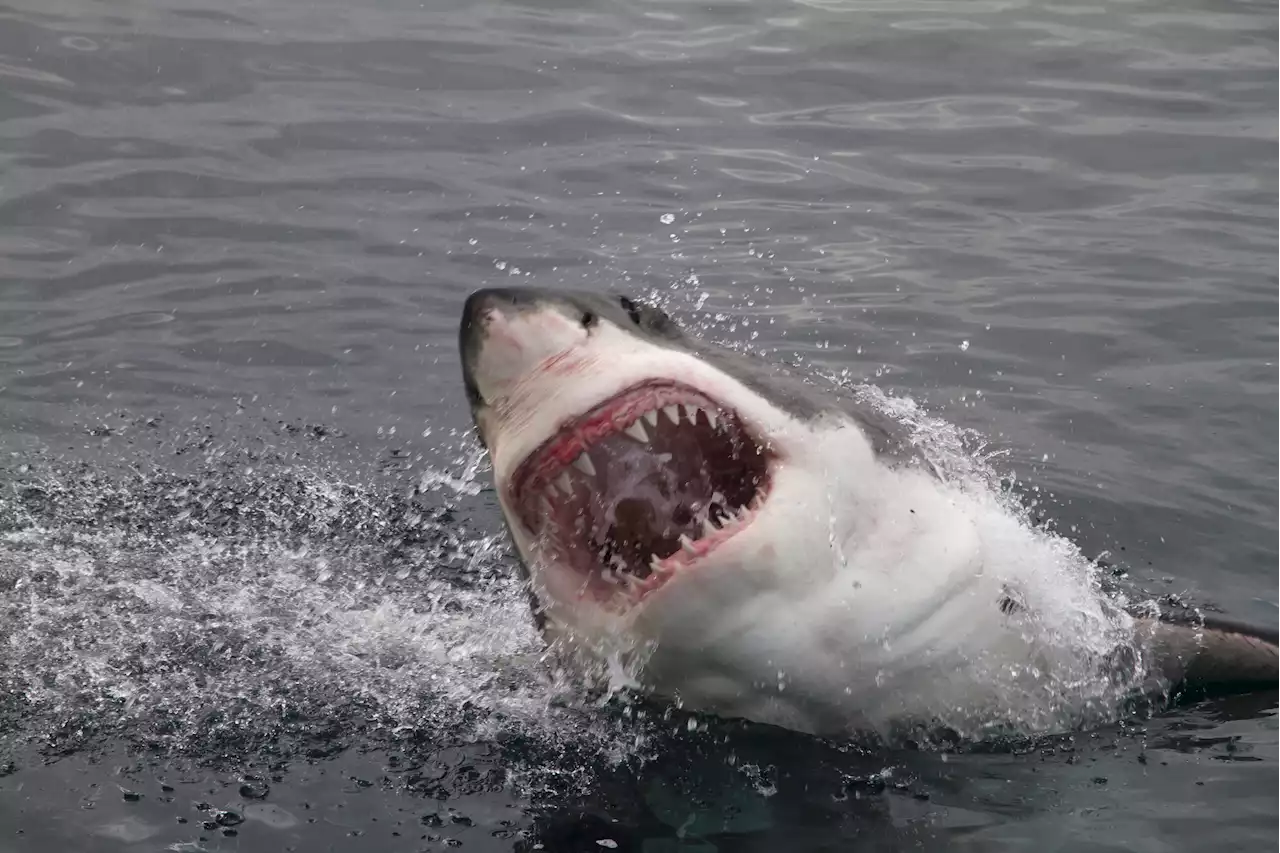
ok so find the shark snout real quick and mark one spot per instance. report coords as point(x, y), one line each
point(506, 335)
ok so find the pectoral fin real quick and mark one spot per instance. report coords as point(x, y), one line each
point(1212, 654)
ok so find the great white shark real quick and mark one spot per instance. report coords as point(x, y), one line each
point(751, 544)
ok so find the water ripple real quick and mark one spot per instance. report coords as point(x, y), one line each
point(1055, 223)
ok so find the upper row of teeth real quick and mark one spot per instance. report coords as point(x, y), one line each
point(676, 412)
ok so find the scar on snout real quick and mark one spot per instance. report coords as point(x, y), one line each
point(556, 364)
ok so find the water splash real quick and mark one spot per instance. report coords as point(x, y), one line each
point(251, 599)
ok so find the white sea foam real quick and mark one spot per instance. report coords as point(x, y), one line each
point(126, 606)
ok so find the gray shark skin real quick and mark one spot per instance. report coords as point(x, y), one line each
point(859, 585)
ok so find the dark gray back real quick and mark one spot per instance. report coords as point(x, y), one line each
point(781, 386)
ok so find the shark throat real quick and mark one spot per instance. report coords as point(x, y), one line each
point(647, 482)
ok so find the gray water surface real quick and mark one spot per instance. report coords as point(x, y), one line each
point(234, 242)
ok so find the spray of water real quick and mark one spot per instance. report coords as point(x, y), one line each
point(237, 599)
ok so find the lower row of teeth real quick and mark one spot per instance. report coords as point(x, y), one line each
point(617, 575)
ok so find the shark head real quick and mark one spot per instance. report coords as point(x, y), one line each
point(631, 460)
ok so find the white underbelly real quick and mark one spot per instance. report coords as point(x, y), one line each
point(909, 630)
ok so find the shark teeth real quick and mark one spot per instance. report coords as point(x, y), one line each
point(678, 412)
point(662, 568)
point(569, 510)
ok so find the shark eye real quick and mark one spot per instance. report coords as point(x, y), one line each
point(633, 310)
point(588, 319)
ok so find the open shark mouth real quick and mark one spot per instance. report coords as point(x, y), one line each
point(646, 483)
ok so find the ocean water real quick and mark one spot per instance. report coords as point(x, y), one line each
point(254, 593)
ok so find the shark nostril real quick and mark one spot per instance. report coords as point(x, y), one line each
point(484, 307)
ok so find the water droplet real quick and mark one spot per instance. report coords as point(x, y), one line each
point(254, 789)
point(667, 218)
point(79, 43)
